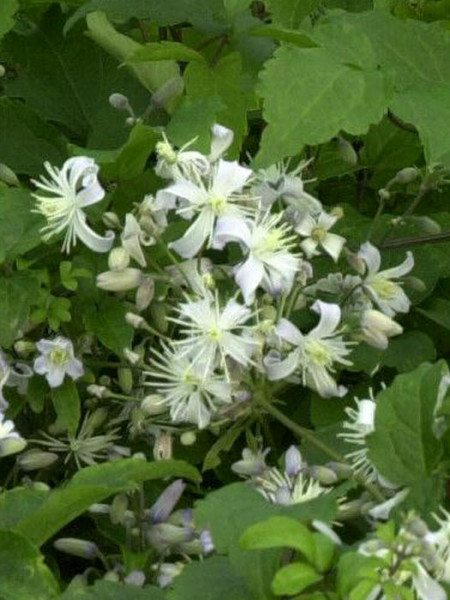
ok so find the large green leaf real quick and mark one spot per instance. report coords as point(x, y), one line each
point(18, 294)
point(19, 225)
point(8, 9)
point(66, 403)
point(23, 574)
point(68, 80)
point(290, 13)
point(107, 321)
point(404, 447)
point(107, 590)
point(34, 140)
point(91, 485)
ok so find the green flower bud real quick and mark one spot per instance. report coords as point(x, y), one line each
point(153, 404)
point(347, 152)
point(417, 527)
point(415, 283)
point(145, 294)
point(159, 316)
point(111, 220)
point(119, 281)
point(11, 445)
point(99, 391)
point(2, 71)
point(188, 438)
point(269, 312)
point(33, 460)
point(119, 507)
point(428, 225)
point(24, 348)
point(120, 102)
point(406, 175)
point(342, 470)
point(125, 377)
point(112, 576)
point(323, 474)
point(8, 176)
point(77, 547)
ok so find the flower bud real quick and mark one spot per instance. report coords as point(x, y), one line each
point(125, 377)
point(153, 404)
point(417, 527)
point(168, 92)
point(111, 220)
point(120, 102)
point(428, 225)
point(415, 283)
point(378, 327)
point(356, 262)
point(99, 509)
point(252, 464)
point(159, 316)
point(134, 320)
point(2, 71)
point(384, 194)
point(119, 281)
point(11, 445)
point(162, 450)
point(347, 152)
point(167, 573)
point(323, 474)
point(293, 461)
point(77, 547)
point(119, 507)
point(8, 176)
point(406, 175)
point(33, 460)
point(269, 313)
point(96, 419)
point(112, 576)
point(164, 505)
point(145, 294)
point(99, 391)
point(337, 211)
point(136, 578)
point(342, 470)
point(164, 535)
point(40, 486)
point(188, 438)
point(24, 348)
point(133, 357)
point(118, 259)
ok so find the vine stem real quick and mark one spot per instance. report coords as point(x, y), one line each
point(311, 437)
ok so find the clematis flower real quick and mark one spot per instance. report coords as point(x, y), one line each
point(132, 238)
point(381, 285)
point(269, 261)
point(314, 354)
point(10, 441)
point(179, 164)
point(316, 232)
point(69, 190)
point(213, 332)
point(207, 202)
point(377, 328)
point(57, 359)
point(191, 391)
point(16, 376)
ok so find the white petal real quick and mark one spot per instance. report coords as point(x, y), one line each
point(289, 332)
point(222, 138)
point(426, 587)
point(330, 315)
point(382, 511)
point(187, 190)
point(230, 177)
point(40, 365)
point(309, 247)
point(55, 376)
point(306, 226)
point(333, 244)
point(194, 238)
point(89, 237)
point(371, 257)
point(280, 369)
point(248, 277)
point(75, 368)
point(326, 221)
point(231, 229)
point(400, 270)
point(130, 239)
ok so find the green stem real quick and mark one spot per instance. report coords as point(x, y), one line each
point(311, 437)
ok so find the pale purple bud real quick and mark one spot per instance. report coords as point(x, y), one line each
point(166, 502)
point(293, 461)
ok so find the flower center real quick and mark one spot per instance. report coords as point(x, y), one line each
point(384, 288)
point(166, 152)
point(189, 378)
point(218, 204)
point(215, 334)
point(318, 353)
point(58, 357)
point(270, 242)
point(318, 234)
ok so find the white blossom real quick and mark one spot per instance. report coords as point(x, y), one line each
point(377, 328)
point(10, 441)
point(314, 354)
point(360, 424)
point(132, 238)
point(316, 232)
point(179, 164)
point(381, 285)
point(56, 360)
point(269, 261)
point(69, 191)
point(192, 392)
point(205, 202)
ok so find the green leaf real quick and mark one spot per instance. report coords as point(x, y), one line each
point(324, 552)
point(279, 532)
point(19, 225)
point(403, 447)
point(8, 9)
point(165, 50)
point(131, 159)
point(107, 590)
point(408, 351)
point(235, 7)
point(106, 320)
point(211, 579)
point(91, 485)
point(294, 578)
point(438, 310)
point(34, 140)
point(16, 504)
point(290, 13)
point(18, 294)
point(223, 444)
point(75, 81)
point(292, 36)
point(66, 403)
point(23, 574)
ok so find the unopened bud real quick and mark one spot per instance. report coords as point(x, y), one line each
point(96, 419)
point(159, 316)
point(188, 438)
point(40, 486)
point(112, 576)
point(8, 176)
point(33, 460)
point(269, 313)
point(168, 92)
point(406, 175)
point(118, 259)
point(323, 474)
point(2, 71)
point(134, 320)
point(384, 194)
point(99, 509)
point(77, 547)
point(11, 445)
point(162, 450)
point(24, 348)
point(337, 211)
point(356, 262)
point(415, 283)
point(342, 470)
point(125, 377)
point(111, 220)
point(428, 225)
point(119, 281)
point(145, 294)
point(119, 507)
point(136, 578)
point(347, 152)
point(153, 404)
point(120, 102)
point(99, 391)
point(417, 527)
point(131, 121)
point(133, 357)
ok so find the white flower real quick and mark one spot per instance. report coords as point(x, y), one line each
point(426, 587)
point(361, 423)
point(269, 262)
point(214, 333)
point(132, 237)
point(218, 198)
point(276, 183)
point(10, 440)
point(13, 376)
point(382, 511)
point(377, 328)
point(221, 140)
point(315, 353)
point(72, 188)
point(179, 164)
point(196, 273)
point(316, 232)
point(192, 393)
point(252, 463)
point(293, 486)
point(57, 359)
point(385, 292)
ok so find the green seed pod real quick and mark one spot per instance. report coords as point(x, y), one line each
point(406, 175)
point(159, 316)
point(125, 376)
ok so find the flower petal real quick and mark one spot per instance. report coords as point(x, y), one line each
point(248, 277)
point(89, 237)
point(230, 177)
point(289, 332)
point(222, 138)
point(333, 244)
point(330, 315)
point(371, 256)
point(280, 369)
point(196, 235)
